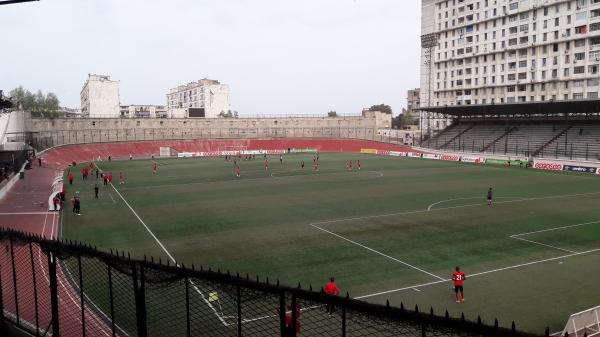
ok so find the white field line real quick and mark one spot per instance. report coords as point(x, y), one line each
point(111, 197)
point(555, 228)
point(483, 273)
point(452, 207)
point(89, 300)
point(543, 244)
point(60, 298)
point(468, 198)
point(28, 213)
point(169, 255)
point(99, 324)
point(377, 252)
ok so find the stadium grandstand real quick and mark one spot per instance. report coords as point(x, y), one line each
point(559, 130)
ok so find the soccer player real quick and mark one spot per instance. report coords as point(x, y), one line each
point(350, 165)
point(55, 202)
point(316, 167)
point(121, 178)
point(237, 171)
point(110, 178)
point(154, 168)
point(358, 164)
point(302, 164)
point(71, 178)
point(331, 289)
point(105, 179)
point(490, 197)
point(281, 159)
point(458, 277)
point(266, 164)
point(96, 188)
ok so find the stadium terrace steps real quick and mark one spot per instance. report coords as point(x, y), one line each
point(541, 149)
point(503, 136)
point(580, 141)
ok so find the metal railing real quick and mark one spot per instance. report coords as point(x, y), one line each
point(70, 289)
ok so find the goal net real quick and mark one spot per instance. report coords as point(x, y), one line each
point(166, 151)
point(583, 322)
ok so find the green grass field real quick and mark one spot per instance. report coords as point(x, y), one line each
point(398, 226)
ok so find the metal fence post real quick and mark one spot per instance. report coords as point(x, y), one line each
point(53, 294)
point(81, 295)
point(294, 318)
point(282, 313)
point(35, 297)
point(344, 321)
point(187, 306)
point(111, 299)
point(14, 277)
point(1, 300)
point(239, 311)
point(139, 290)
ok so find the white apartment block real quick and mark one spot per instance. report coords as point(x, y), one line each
point(143, 111)
point(509, 51)
point(100, 97)
point(204, 98)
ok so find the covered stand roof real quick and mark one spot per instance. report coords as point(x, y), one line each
point(583, 106)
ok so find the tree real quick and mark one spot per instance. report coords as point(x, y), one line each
point(382, 108)
point(228, 114)
point(332, 113)
point(38, 104)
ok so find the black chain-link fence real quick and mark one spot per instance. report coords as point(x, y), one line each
point(52, 288)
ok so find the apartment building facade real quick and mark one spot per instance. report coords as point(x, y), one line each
point(100, 97)
point(143, 111)
point(205, 98)
point(509, 51)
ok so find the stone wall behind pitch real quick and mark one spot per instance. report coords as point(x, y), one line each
point(46, 132)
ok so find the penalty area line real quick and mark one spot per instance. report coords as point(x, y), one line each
point(526, 264)
point(377, 252)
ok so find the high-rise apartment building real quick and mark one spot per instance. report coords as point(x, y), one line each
point(203, 98)
point(508, 51)
point(100, 97)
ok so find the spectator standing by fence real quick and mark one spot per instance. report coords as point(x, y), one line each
point(331, 289)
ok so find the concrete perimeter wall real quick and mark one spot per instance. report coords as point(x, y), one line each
point(43, 133)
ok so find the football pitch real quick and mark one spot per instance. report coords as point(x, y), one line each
point(393, 230)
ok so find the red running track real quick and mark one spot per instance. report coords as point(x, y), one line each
point(62, 156)
point(25, 208)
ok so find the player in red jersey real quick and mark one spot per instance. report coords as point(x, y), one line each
point(358, 164)
point(110, 178)
point(350, 165)
point(71, 177)
point(237, 171)
point(266, 164)
point(121, 178)
point(458, 277)
point(154, 168)
point(316, 167)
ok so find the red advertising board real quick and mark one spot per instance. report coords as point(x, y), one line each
point(547, 166)
point(449, 157)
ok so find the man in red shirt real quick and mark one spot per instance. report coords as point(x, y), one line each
point(71, 177)
point(154, 168)
point(237, 171)
point(458, 277)
point(331, 289)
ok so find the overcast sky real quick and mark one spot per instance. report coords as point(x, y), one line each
point(278, 56)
